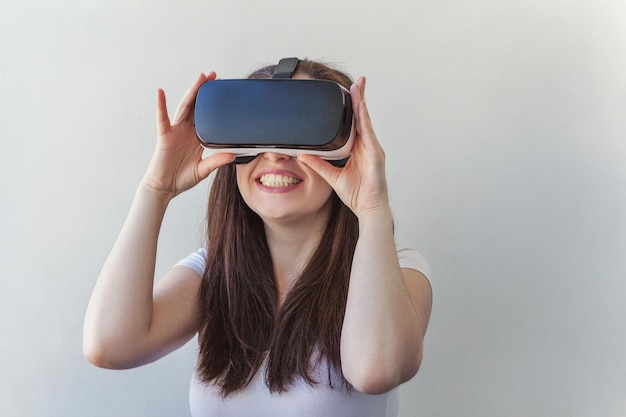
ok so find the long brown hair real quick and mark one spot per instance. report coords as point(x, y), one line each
point(242, 323)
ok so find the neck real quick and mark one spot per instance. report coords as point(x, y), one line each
point(292, 243)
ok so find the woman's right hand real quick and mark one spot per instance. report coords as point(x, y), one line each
point(177, 163)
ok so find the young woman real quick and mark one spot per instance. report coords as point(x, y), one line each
point(302, 302)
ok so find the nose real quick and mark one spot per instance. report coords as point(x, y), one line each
point(276, 157)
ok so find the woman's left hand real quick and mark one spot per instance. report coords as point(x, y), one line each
point(361, 183)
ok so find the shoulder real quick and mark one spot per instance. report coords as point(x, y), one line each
point(410, 258)
point(195, 260)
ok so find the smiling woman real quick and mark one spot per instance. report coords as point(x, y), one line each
point(302, 302)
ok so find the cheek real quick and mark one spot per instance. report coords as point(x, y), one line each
point(320, 185)
point(243, 183)
point(320, 193)
point(243, 173)
point(325, 190)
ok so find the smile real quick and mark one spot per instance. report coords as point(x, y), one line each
point(278, 180)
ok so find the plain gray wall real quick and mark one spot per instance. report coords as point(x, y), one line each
point(504, 124)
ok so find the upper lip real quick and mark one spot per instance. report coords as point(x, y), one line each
point(276, 171)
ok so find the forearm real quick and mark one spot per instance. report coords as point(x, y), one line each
point(120, 309)
point(381, 338)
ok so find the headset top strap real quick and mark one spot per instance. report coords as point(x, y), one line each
point(285, 68)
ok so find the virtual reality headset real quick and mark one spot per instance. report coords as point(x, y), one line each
point(247, 117)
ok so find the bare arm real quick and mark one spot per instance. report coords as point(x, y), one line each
point(127, 322)
point(387, 312)
point(388, 308)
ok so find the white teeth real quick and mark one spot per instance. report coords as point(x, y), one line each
point(278, 180)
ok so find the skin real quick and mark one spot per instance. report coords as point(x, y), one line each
point(294, 215)
point(128, 323)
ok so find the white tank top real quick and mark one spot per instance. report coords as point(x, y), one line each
point(301, 399)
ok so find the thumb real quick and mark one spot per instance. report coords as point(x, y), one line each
point(325, 170)
point(211, 163)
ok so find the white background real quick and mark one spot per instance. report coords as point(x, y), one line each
point(504, 124)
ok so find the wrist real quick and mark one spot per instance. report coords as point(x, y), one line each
point(154, 194)
point(379, 216)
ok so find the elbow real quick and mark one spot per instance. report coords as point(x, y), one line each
point(97, 359)
point(98, 356)
point(103, 355)
point(373, 384)
point(382, 376)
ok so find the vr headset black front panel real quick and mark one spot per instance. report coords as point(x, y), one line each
point(274, 113)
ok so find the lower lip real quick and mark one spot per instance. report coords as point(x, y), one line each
point(287, 189)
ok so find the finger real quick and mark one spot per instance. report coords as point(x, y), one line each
point(163, 120)
point(359, 93)
point(364, 116)
point(361, 83)
point(325, 170)
point(361, 113)
point(358, 98)
point(212, 162)
point(187, 104)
